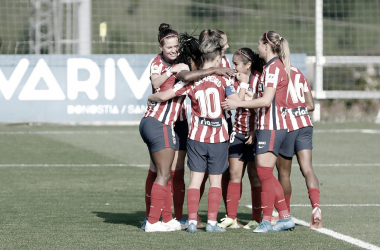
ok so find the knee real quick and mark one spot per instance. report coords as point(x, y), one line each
point(284, 174)
point(236, 176)
point(165, 173)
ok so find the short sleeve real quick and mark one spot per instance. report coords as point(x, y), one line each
point(181, 88)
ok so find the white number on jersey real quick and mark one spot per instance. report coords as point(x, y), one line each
point(206, 105)
point(296, 90)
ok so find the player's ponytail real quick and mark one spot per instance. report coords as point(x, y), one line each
point(165, 31)
point(280, 46)
point(188, 50)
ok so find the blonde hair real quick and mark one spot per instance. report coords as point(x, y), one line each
point(280, 46)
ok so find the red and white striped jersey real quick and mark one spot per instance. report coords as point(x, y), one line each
point(225, 62)
point(275, 76)
point(297, 115)
point(208, 122)
point(245, 118)
point(159, 66)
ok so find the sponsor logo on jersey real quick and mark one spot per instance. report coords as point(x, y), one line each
point(300, 111)
point(260, 87)
point(211, 122)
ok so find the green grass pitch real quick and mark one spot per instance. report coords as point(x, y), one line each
point(51, 197)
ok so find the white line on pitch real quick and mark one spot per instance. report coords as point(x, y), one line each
point(338, 205)
point(339, 236)
point(332, 205)
point(334, 234)
point(75, 165)
point(363, 131)
point(319, 131)
point(146, 165)
point(343, 165)
point(67, 132)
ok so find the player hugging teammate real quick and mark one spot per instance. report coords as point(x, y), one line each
point(263, 117)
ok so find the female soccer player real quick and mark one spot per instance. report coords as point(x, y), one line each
point(271, 128)
point(204, 36)
point(208, 134)
point(191, 56)
point(249, 66)
point(161, 70)
point(299, 141)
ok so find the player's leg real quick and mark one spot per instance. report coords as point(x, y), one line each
point(178, 170)
point(236, 169)
point(284, 167)
point(255, 195)
point(267, 149)
point(152, 174)
point(178, 186)
point(304, 156)
point(217, 163)
point(284, 164)
point(197, 163)
point(161, 144)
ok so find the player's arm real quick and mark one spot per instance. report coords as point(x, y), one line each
point(158, 80)
point(309, 101)
point(189, 76)
point(261, 102)
point(308, 96)
point(162, 96)
point(250, 137)
point(243, 79)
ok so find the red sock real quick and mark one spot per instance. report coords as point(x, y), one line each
point(193, 195)
point(214, 197)
point(148, 190)
point(314, 197)
point(279, 200)
point(203, 185)
point(157, 202)
point(233, 198)
point(267, 194)
point(178, 189)
point(225, 183)
point(287, 201)
point(267, 200)
point(256, 203)
point(167, 209)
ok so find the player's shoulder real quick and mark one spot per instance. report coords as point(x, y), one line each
point(157, 59)
point(256, 73)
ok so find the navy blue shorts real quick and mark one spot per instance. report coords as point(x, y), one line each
point(210, 156)
point(229, 123)
point(238, 148)
point(157, 135)
point(297, 140)
point(181, 128)
point(269, 141)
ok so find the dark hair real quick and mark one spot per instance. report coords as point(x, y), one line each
point(188, 50)
point(249, 55)
point(165, 31)
point(280, 46)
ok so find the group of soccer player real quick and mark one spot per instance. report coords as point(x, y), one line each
point(271, 99)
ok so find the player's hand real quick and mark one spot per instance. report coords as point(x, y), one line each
point(226, 72)
point(242, 77)
point(250, 137)
point(230, 104)
point(179, 68)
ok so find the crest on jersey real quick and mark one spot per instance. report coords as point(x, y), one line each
point(174, 140)
point(260, 87)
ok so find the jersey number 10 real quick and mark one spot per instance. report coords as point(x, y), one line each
point(209, 102)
